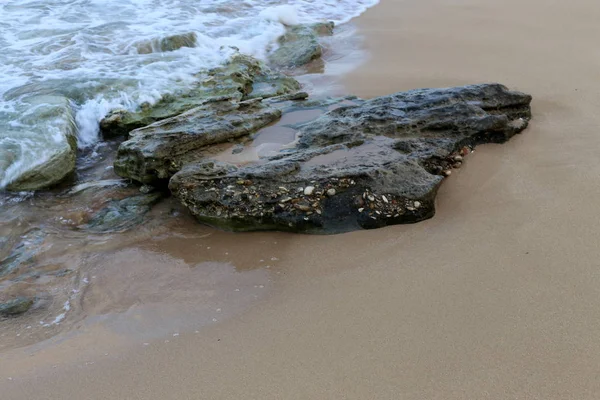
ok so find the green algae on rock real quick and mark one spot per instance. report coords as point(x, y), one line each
point(300, 45)
point(243, 77)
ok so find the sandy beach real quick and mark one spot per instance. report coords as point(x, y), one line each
point(496, 297)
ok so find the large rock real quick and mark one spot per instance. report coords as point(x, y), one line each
point(300, 45)
point(41, 150)
point(154, 153)
point(242, 78)
point(364, 165)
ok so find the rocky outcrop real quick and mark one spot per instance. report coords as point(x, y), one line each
point(242, 78)
point(156, 152)
point(15, 306)
point(168, 43)
point(300, 45)
point(366, 164)
point(42, 151)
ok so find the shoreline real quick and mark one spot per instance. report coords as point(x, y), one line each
point(495, 297)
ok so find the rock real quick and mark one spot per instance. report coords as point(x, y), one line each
point(121, 215)
point(386, 147)
point(41, 151)
point(169, 43)
point(156, 152)
point(16, 306)
point(300, 45)
point(237, 149)
point(244, 77)
point(309, 190)
point(331, 192)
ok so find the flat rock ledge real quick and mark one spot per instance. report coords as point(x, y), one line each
point(365, 164)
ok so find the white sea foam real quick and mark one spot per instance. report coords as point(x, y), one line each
point(285, 14)
point(60, 317)
point(85, 50)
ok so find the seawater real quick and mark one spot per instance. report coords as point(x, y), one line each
point(85, 50)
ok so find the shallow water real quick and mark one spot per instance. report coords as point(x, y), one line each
point(168, 275)
point(158, 273)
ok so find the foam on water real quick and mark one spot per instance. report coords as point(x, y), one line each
point(85, 50)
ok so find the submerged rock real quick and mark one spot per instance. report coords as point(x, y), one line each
point(23, 252)
point(16, 306)
point(120, 215)
point(41, 152)
point(300, 45)
point(244, 77)
point(156, 152)
point(375, 163)
point(267, 85)
point(169, 43)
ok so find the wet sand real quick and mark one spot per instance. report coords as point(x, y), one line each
point(497, 297)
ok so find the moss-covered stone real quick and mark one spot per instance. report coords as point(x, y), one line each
point(300, 45)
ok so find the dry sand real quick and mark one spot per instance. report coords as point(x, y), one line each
point(497, 297)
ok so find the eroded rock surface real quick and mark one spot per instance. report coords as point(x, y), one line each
point(364, 165)
point(156, 152)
